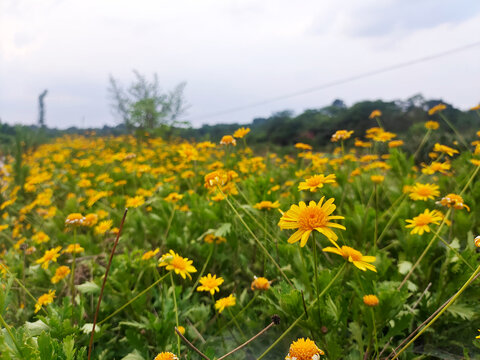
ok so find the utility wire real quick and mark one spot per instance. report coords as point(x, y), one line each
point(339, 81)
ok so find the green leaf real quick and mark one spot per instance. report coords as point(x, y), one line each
point(88, 288)
point(45, 346)
point(462, 311)
point(404, 267)
point(36, 328)
point(134, 355)
point(69, 347)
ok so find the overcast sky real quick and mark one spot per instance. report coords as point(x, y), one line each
point(231, 53)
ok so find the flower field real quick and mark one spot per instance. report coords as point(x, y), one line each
point(358, 251)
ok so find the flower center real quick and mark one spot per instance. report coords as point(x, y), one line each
point(424, 191)
point(311, 218)
point(350, 252)
point(179, 263)
point(423, 220)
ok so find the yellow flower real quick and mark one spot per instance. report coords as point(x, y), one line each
point(308, 218)
point(434, 167)
point(424, 191)
point(341, 135)
point(377, 179)
point(74, 248)
point(149, 254)
point(166, 356)
point(210, 238)
point(60, 274)
point(173, 197)
point(395, 143)
point(175, 262)
point(45, 299)
point(420, 223)
point(240, 133)
point(216, 178)
point(266, 205)
point(224, 302)
point(455, 201)
point(444, 149)
point(134, 202)
point(75, 219)
point(303, 146)
point(364, 144)
point(374, 114)
point(370, 300)
point(210, 283)
point(103, 227)
point(354, 256)
point(436, 109)
point(50, 255)
point(90, 220)
point(304, 349)
point(316, 182)
point(40, 237)
point(260, 283)
point(477, 337)
point(228, 140)
point(432, 125)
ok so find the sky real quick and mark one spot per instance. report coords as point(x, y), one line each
point(231, 54)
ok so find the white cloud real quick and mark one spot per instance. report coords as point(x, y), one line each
point(230, 53)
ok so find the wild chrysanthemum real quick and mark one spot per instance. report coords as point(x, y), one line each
point(436, 109)
point(40, 237)
point(75, 219)
point(225, 302)
point(240, 133)
point(445, 149)
point(477, 241)
point(309, 218)
point(134, 202)
point(304, 349)
point(74, 248)
point(455, 201)
point(432, 125)
point(370, 300)
point(228, 140)
point(353, 256)
point(341, 135)
point(175, 262)
point(377, 179)
point(60, 274)
point(424, 191)
point(374, 114)
point(211, 238)
point(303, 146)
point(173, 197)
point(45, 299)
point(210, 283)
point(266, 205)
point(149, 254)
point(316, 182)
point(260, 283)
point(103, 227)
point(420, 223)
point(50, 255)
point(166, 356)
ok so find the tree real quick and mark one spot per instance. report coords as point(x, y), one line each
point(41, 108)
point(144, 107)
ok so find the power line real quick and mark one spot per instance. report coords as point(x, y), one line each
point(339, 81)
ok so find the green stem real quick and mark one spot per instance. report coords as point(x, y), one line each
point(452, 300)
point(470, 180)
point(374, 331)
point(132, 300)
point(316, 269)
point(72, 276)
point(376, 221)
point(176, 311)
point(424, 140)
point(460, 136)
point(236, 323)
point(256, 239)
point(5, 325)
point(390, 222)
point(239, 313)
point(203, 269)
point(169, 223)
point(303, 314)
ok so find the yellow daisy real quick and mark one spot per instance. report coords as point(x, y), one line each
point(175, 262)
point(210, 283)
point(354, 256)
point(420, 223)
point(312, 217)
point(316, 182)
